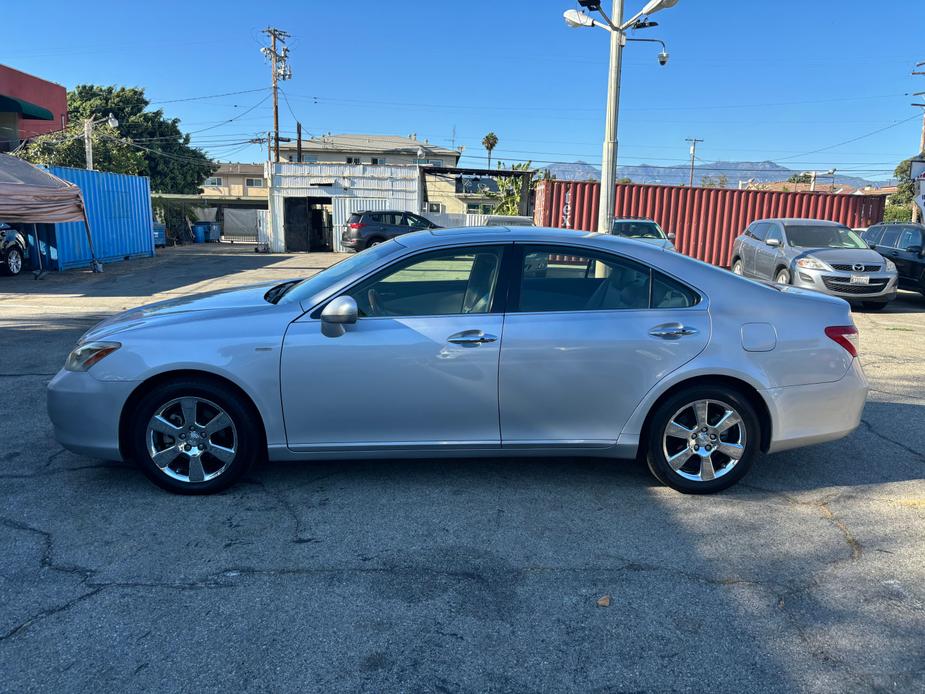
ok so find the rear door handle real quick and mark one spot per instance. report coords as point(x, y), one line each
point(471, 338)
point(671, 331)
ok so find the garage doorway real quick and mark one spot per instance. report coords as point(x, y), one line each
point(307, 224)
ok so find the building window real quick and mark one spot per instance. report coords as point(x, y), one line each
point(435, 207)
point(213, 182)
point(253, 182)
point(308, 158)
point(376, 161)
point(479, 208)
point(353, 160)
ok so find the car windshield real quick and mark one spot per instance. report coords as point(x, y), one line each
point(823, 236)
point(634, 229)
point(307, 288)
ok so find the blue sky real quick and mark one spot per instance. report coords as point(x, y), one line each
point(754, 79)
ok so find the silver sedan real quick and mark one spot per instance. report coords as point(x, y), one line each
point(477, 342)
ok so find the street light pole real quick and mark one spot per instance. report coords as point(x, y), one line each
point(609, 156)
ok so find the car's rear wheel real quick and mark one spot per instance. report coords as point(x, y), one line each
point(782, 276)
point(737, 267)
point(12, 261)
point(702, 439)
point(374, 242)
point(194, 436)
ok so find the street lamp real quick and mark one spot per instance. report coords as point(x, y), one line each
point(617, 28)
point(109, 120)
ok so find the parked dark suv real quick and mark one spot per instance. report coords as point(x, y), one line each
point(365, 229)
point(903, 244)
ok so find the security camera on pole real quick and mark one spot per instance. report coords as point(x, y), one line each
point(617, 28)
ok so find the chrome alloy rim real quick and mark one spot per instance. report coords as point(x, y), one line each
point(704, 440)
point(737, 268)
point(782, 278)
point(14, 262)
point(191, 439)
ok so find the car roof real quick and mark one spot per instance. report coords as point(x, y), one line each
point(802, 220)
point(899, 224)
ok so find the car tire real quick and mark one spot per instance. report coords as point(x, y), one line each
point(374, 242)
point(873, 305)
point(12, 261)
point(227, 452)
point(683, 462)
point(782, 276)
point(737, 268)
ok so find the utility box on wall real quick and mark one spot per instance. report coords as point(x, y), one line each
point(119, 210)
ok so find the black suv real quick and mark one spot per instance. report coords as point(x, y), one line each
point(365, 229)
point(901, 242)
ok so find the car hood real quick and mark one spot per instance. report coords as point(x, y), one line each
point(844, 256)
point(239, 299)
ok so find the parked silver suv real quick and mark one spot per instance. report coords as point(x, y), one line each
point(815, 254)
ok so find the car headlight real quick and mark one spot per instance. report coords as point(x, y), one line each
point(82, 357)
point(889, 266)
point(810, 263)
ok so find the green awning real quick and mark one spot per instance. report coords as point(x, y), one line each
point(9, 104)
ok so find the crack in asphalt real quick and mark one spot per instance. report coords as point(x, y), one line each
point(915, 452)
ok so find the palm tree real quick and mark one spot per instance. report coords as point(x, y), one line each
point(489, 142)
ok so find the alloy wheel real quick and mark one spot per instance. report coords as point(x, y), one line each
point(704, 440)
point(14, 261)
point(191, 439)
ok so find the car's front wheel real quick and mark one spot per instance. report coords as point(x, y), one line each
point(12, 261)
point(782, 277)
point(194, 436)
point(737, 267)
point(702, 439)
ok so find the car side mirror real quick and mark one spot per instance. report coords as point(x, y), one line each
point(338, 313)
point(917, 249)
point(773, 242)
point(872, 246)
point(672, 236)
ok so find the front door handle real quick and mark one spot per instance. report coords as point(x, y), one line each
point(671, 331)
point(471, 338)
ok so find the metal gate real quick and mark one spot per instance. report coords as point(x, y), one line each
point(344, 207)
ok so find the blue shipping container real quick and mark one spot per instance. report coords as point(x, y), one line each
point(119, 208)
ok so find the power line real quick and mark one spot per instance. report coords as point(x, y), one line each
point(208, 96)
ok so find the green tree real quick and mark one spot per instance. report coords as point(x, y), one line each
point(624, 179)
point(800, 178)
point(899, 204)
point(160, 149)
point(489, 142)
point(720, 181)
point(509, 191)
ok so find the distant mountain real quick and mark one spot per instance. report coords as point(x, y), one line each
point(734, 171)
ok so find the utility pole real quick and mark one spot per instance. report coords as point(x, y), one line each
point(609, 157)
point(88, 143)
point(915, 207)
point(693, 141)
point(279, 65)
point(298, 146)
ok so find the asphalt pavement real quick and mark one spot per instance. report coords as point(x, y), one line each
point(451, 576)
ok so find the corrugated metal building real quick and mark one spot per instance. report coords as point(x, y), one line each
point(705, 220)
point(309, 203)
point(119, 210)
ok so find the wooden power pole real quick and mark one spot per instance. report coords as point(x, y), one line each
point(280, 70)
point(693, 141)
point(915, 207)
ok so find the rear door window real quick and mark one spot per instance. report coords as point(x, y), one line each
point(557, 278)
point(890, 237)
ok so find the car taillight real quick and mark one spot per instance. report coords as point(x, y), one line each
point(356, 225)
point(846, 336)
